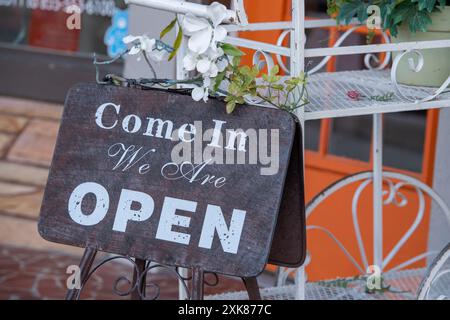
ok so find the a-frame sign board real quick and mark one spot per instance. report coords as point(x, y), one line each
point(156, 176)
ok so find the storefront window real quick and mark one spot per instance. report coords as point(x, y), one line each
point(55, 39)
point(403, 138)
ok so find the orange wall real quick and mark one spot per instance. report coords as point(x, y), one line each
point(327, 260)
point(263, 11)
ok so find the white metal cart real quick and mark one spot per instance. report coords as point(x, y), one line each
point(328, 99)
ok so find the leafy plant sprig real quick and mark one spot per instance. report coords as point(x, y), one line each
point(414, 13)
point(287, 95)
point(178, 40)
point(218, 65)
point(357, 96)
point(347, 282)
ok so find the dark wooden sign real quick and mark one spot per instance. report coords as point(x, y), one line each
point(157, 176)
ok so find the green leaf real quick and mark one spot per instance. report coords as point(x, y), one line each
point(219, 80)
point(176, 44)
point(419, 21)
point(361, 13)
point(233, 88)
point(255, 71)
point(427, 4)
point(274, 71)
point(292, 81)
point(231, 105)
point(394, 30)
point(168, 28)
point(274, 79)
point(401, 12)
point(386, 14)
point(231, 50)
point(370, 36)
point(278, 87)
point(236, 61)
point(332, 7)
point(245, 70)
point(350, 9)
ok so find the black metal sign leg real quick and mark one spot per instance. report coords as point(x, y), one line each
point(197, 284)
point(140, 278)
point(251, 284)
point(85, 266)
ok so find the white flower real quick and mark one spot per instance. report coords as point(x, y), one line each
point(217, 12)
point(202, 92)
point(222, 63)
point(140, 43)
point(158, 55)
point(147, 45)
point(190, 61)
point(208, 64)
point(205, 33)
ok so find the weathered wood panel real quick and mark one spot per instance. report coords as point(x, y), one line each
point(89, 149)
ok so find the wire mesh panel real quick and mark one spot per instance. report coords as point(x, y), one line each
point(329, 95)
point(400, 285)
point(441, 287)
point(436, 284)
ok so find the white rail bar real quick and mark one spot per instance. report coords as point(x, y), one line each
point(374, 48)
point(286, 25)
point(180, 6)
point(264, 26)
point(323, 23)
point(381, 108)
point(338, 51)
point(257, 45)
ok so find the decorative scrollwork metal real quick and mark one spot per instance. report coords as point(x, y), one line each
point(371, 61)
point(116, 289)
point(280, 41)
point(241, 14)
point(260, 59)
point(142, 279)
point(141, 284)
point(392, 195)
point(415, 68)
point(373, 58)
point(431, 286)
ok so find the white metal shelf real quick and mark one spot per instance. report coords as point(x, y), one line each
point(328, 95)
point(404, 286)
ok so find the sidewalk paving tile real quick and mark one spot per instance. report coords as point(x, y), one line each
point(24, 174)
point(36, 143)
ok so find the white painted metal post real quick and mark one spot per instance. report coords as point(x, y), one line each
point(181, 74)
point(378, 190)
point(297, 65)
point(298, 39)
point(300, 293)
